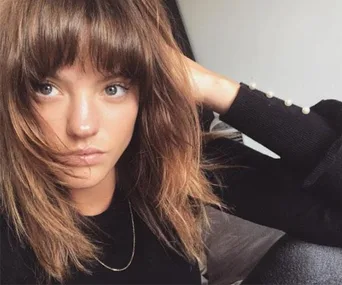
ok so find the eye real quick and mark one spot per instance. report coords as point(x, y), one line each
point(116, 90)
point(46, 89)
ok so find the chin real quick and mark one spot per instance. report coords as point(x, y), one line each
point(74, 183)
point(89, 177)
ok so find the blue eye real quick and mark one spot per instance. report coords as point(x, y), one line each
point(116, 89)
point(46, 89)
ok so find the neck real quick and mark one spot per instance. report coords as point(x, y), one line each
point(95, 200)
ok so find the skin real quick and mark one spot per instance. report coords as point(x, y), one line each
point(82, 108)
point(212, 90)
point(78, 109)
point(216, 92)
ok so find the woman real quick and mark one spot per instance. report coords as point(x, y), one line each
point(103, 179)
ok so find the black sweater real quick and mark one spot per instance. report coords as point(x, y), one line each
point(299, 193)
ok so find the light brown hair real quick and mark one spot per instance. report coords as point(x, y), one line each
point(164, 158)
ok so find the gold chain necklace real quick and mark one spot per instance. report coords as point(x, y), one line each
point(133, 249)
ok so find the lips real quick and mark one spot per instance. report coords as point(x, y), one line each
point(88, 151)
point(89, 156)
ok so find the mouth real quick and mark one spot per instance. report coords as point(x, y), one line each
point(86, 157)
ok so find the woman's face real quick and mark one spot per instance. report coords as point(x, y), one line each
point(88, 111)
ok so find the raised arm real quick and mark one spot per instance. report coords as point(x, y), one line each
point(292, 193)
point(301, 140)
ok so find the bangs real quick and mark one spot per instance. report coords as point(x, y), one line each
point(58, 33)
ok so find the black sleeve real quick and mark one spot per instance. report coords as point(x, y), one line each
point(270, 191)
point(301, 140)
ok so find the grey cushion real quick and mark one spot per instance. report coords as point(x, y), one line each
point(293, 262)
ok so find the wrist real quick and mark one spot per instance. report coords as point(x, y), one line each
point(222, 95)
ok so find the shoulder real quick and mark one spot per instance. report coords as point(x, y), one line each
point(230, 152)
point(15, 258)
point(10, 250)
point(8, 241)
point(240, 169)
point(9, 253)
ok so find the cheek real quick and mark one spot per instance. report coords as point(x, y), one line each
point(51, 120)
point(119, 127)
point(53, 129)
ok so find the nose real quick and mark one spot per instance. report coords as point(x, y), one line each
point(83, 118)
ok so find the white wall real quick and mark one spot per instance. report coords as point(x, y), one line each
point(292, 47)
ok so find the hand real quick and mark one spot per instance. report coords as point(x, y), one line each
point(214, 91)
